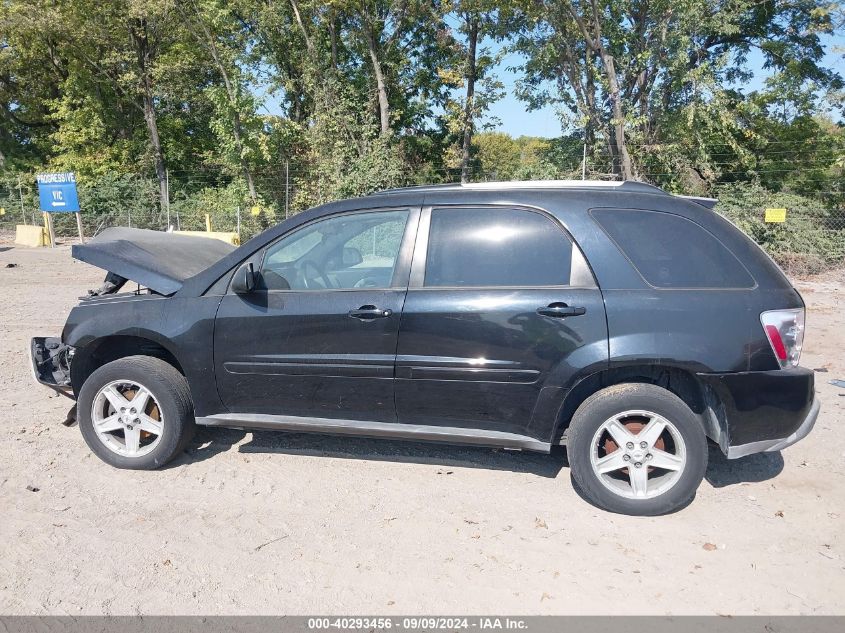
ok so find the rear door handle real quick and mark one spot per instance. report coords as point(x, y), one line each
point(369, 312)
point(560, 310)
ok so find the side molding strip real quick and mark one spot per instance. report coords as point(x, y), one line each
point(414, 432)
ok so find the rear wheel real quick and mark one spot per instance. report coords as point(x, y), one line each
point(136, 412)
point(637, 449)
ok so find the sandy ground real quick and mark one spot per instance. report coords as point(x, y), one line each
point(301, 524)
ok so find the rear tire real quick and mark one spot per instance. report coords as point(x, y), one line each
point(140, 434)
point(637, 449)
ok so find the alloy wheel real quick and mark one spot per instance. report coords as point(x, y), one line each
point(127, 418)
point(638, 454)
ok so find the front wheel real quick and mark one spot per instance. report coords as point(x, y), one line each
point(637, 449)
point(136, 412)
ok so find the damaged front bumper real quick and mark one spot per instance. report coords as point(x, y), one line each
point(50, 363)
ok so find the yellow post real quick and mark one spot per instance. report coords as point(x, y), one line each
point(48, 225)
point(79, 226)
point(208, 222)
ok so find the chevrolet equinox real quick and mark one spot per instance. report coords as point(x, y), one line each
point(627, 324)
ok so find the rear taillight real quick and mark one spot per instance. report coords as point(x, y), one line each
point(785, 331)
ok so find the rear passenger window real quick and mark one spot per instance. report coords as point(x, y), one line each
point(670, 251)
point(496, 247)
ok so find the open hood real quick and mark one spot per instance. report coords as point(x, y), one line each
point(160, 261)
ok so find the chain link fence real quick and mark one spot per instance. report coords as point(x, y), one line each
point(810, 240)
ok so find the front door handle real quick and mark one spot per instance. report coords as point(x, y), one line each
point(560, 310)
point(369, 312)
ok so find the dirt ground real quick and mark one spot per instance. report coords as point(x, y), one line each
point(299, 524)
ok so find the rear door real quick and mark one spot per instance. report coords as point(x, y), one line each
point(501, 305)
point(318, 337)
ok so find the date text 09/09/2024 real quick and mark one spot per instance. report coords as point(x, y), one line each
point(417, 623)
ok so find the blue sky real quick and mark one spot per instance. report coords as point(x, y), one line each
point(512, 113)
point(516, 120)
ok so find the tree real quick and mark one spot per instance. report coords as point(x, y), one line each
point(346, 153)
point(472, 70)
point(376, 93)
point(624, 66)
point(214, 28)
point(146, 30)
point(33, 68)
point(381, 26)
point(399, 41)
point(115, 48)
point(498, 154)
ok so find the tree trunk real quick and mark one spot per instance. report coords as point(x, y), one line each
point(309, 45)
point(236, 130)
point(622, 163)
point(155, 142)
point(592, 34)
point(333, 36)
point(469, 106)
point(383, 104)
point(144, 53)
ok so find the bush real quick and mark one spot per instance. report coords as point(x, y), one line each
point(112, 199)
point(349, 171)
point(221, 203)
point(812, 238)
point(800, 264)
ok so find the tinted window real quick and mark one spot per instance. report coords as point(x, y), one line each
point(496, 247)
point(347, 251)
point(672, 252)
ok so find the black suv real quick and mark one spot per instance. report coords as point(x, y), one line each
point(625, 323)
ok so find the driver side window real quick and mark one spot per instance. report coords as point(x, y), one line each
point(354, 250)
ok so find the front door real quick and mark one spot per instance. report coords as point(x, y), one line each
point(317, 338)
point(501, 306)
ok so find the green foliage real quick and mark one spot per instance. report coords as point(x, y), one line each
point(497, 154)
point(112, 199)
point(812, 236)
point(346, 156)
point(222, 205)
point(502, 157)
point(135, 94)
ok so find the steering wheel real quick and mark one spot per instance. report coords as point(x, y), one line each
point(367, 282)
point(320, 275)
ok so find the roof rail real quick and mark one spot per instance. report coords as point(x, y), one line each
point(626, 185)
point(707, 203)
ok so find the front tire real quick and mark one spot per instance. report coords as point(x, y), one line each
point(637, 449)
point(136, 413)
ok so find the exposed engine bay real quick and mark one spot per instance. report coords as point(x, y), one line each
point(51, 361)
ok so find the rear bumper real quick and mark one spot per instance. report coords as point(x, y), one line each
point(50, 363)
point(759, 411)
point(741, 450)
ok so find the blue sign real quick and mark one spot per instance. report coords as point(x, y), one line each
point(57, 193)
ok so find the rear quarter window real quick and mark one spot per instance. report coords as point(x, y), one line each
point(670, 251)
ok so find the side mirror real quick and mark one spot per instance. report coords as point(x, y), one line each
point(351, 257)
point(244, 280)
